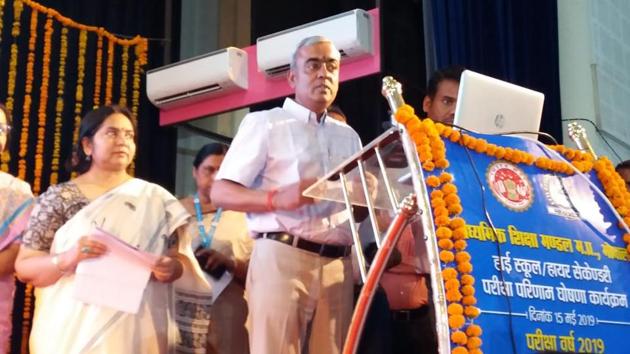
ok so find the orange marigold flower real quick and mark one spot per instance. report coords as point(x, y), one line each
point(500, 152)
point(445, 244)
point(456, 321)
point(459, 350)
point(460, 245)
point(455, 136)
point(465, 267)
point(426, 148)
point(529, 159)
point(449, 273)
point(413, 125)
point(482, 146)
point(455, 309)
point(468, 290)
point(417, 137)
point(471, 311)
point(437, 202)
point(491, 149)
point(459, 233)
point(424, 140)
point(508, 153)
point(475, 351)
point(459, 337)
point(439, 211)
point(473, 343)
point(442, 163)
point(437, 194)
point(433, 181)
point(453, 295)
point(443, 232)
point(617, 201)
point(439, 127)
point(446, 132)
point(452, 199)
point(626, 238)
point(457, 222)
point(446, 177)
point(447, 256)
point(455, 209)
point(471, 143)
point(449, 188)
point(442, 220)
point(463, 257)
point(469, 300)
point(452, 284)
point(428, 166)
point(407, 108)
point(474, 330)
point(425, 156)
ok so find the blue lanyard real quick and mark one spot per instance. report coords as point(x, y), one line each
point(206, 236)
point(7, 222)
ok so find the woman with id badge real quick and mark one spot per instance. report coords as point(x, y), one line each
point(222, 248)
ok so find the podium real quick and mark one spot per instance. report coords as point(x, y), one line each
point(527, 244)
point(383, 176)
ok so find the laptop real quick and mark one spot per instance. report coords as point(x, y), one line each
point(491, 106)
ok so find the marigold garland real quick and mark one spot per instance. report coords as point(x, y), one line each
point(109, 80)
point(59, 106)
point(43, 101)
point(99, 69)
point(18, 7)
point(1, 17)
point(4, 156)
point(139, 62)
point(124, 76)
point(24, 121)
point(446, 206)
point(445, 203)
point(28, 88)
point(27, 315)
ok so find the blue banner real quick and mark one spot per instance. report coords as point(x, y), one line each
point(554, 274)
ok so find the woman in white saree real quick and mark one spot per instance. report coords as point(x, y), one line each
point(146, 216)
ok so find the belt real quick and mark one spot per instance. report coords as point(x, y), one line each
point(407, 315)
point(329, 251)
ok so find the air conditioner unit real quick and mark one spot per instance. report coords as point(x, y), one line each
point(351, 32)
point(197, 78)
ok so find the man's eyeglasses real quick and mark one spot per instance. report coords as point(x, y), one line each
point(5, 129)
point(314, 65)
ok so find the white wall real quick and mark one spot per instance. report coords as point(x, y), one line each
point(594, 72)
point(208, 25)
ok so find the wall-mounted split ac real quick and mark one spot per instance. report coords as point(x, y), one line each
point(197, 78)
point(351, 32)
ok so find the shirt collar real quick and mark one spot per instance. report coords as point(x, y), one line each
point(301, 112)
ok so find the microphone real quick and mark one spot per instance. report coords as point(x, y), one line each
point(577, 133)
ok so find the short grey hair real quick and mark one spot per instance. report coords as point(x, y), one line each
point(305, 43)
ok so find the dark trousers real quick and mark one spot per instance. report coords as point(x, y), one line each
point(387, 333)
point(377, 335)
point(414, 335)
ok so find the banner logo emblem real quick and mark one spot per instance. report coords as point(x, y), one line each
point(510, 185)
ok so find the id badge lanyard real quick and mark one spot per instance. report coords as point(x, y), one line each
point(206, 235)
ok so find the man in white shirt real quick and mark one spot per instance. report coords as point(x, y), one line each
point(299, 284)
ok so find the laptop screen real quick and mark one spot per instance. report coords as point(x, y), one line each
point(490, 106)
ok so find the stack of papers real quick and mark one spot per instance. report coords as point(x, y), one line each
point(118, 278)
